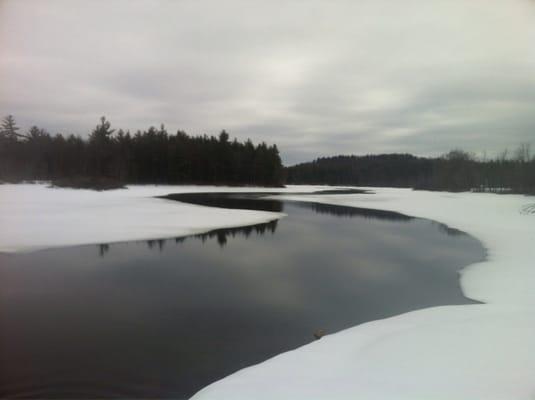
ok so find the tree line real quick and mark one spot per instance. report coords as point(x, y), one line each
point(457, 170)
point(110, 158)
point(118, 157)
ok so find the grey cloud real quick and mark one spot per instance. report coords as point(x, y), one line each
point(317, 78)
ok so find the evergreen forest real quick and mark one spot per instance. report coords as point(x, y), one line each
point(458, 170)
point(111, 158)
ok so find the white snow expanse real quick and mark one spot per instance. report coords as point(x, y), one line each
point(34, 216)
point(482, 351)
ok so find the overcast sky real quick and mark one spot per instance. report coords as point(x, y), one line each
point(316, 77)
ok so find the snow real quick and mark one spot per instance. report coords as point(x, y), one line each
point(34, 216)
point(484, 351)
point(528, 209)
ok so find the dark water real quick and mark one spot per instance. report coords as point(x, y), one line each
point(165, 318)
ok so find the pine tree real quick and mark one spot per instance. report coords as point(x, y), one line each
point(102, 132)
point(101, 149)
point(9, 128)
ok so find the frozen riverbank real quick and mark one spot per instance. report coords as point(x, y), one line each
point(34, 216)
point(458, 352)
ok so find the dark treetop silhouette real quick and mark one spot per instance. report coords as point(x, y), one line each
point(111, 158)
point(455, 171)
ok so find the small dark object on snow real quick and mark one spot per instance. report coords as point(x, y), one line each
point(319, 334)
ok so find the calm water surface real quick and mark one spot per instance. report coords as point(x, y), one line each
point(165, 318)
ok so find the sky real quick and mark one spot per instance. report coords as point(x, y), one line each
point(317, 78)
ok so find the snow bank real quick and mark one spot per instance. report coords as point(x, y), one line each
point(33, 216)
point(471, 352)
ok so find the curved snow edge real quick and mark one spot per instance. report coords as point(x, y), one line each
point(34, 216)
point(455, 352)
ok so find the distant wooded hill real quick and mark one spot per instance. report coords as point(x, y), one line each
point(110, 158)
point(455, 171)
point(398, 170)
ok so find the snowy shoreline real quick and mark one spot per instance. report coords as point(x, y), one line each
point(482, 351)
point(35, 216)
point(472, 352)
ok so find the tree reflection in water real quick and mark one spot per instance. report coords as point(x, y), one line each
point(155, 319)
point(258, 202)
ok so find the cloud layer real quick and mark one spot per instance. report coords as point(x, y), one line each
point(318, 78)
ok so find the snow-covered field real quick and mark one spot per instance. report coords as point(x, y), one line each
point(482, 351)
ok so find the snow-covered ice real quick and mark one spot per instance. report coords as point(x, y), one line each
point(34, 216)
point(484, 351)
